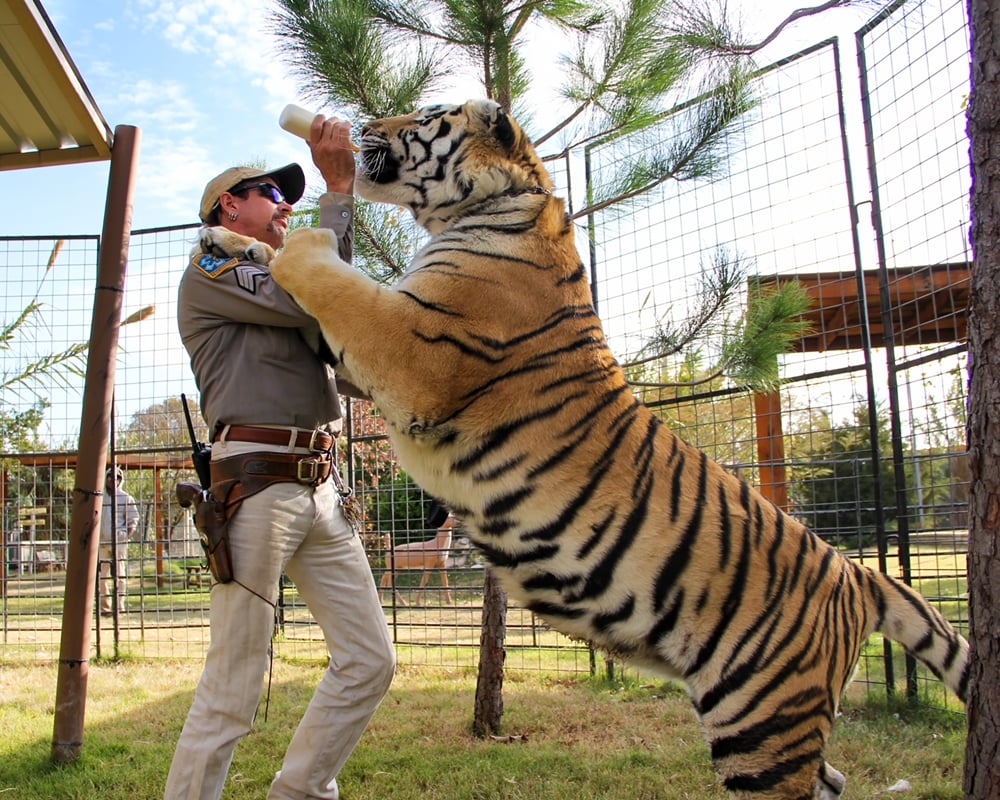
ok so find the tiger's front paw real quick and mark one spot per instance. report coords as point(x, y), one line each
point(306, 251)
point(224, 243)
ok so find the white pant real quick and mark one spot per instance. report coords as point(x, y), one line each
point(292, 528)
point(105, 559)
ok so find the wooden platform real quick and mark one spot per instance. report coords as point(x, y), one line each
point(925, 305)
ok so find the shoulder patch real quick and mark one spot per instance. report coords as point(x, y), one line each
point(213, 267)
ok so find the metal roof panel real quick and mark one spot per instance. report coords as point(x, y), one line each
point(47, 114)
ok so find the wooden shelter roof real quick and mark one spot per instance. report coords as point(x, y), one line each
point(47, 114)
point(926, 305)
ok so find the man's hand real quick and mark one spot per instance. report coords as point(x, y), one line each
point(330, 143)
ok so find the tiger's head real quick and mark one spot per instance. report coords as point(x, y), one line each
point(443, 160)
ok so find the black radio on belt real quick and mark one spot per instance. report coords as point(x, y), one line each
point(201, 453)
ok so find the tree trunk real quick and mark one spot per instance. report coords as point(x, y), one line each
point(489, 686)
point(982, 754)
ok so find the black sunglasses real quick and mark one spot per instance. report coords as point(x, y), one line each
point(268, 190)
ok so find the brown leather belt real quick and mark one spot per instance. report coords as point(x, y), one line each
point(273, 467)
point(238, 477)
point(316, 441)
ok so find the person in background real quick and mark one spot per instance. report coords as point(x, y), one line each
point(266, 391)
point(121, 504)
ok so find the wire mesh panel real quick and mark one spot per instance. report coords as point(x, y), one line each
point(851, 443)
point(148, 443)
point(781, 214)
point(47, 300)
point(780, 208)
point(915, 80)
point(158, 579)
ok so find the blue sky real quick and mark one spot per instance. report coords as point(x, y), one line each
point(199, 79)
point(204, 84)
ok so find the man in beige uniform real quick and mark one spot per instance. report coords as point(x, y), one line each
point(265, 391)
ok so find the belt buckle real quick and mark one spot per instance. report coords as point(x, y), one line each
point(313, 447)
point(307, 470)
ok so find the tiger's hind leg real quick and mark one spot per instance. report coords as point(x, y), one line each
point(831, 783)
point(791, 778)
point(777, 755)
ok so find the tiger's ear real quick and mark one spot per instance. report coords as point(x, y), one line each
point(496, 122)
point(503, 129)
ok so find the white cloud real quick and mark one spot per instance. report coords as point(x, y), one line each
point(171, 177)
point(165, 105)
point(235, 37)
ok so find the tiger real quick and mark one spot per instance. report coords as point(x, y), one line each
point(501, 397)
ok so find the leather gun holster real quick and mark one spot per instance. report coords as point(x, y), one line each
point(211, 519)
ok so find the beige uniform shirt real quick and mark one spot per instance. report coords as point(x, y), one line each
point(252, 347)
point(126, 516)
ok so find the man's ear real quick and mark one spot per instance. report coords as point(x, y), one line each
point(227, 203)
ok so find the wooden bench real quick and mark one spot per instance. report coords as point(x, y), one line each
point(47, 561)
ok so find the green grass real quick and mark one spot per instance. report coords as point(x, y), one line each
point(567, 736)
point(564, 738)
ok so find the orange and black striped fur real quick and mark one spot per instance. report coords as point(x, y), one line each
point(503, 400)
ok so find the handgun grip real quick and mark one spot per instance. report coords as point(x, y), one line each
point(188, 494)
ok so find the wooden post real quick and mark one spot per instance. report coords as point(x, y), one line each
point(159, 525)
point(6, 564)
point(84, 534)
point(771, 448)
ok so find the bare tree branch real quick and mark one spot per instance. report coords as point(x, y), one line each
point(796, 15)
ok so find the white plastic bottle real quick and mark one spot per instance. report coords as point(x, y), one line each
point(297, 120)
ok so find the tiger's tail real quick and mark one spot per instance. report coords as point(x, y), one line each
point(906, 617)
